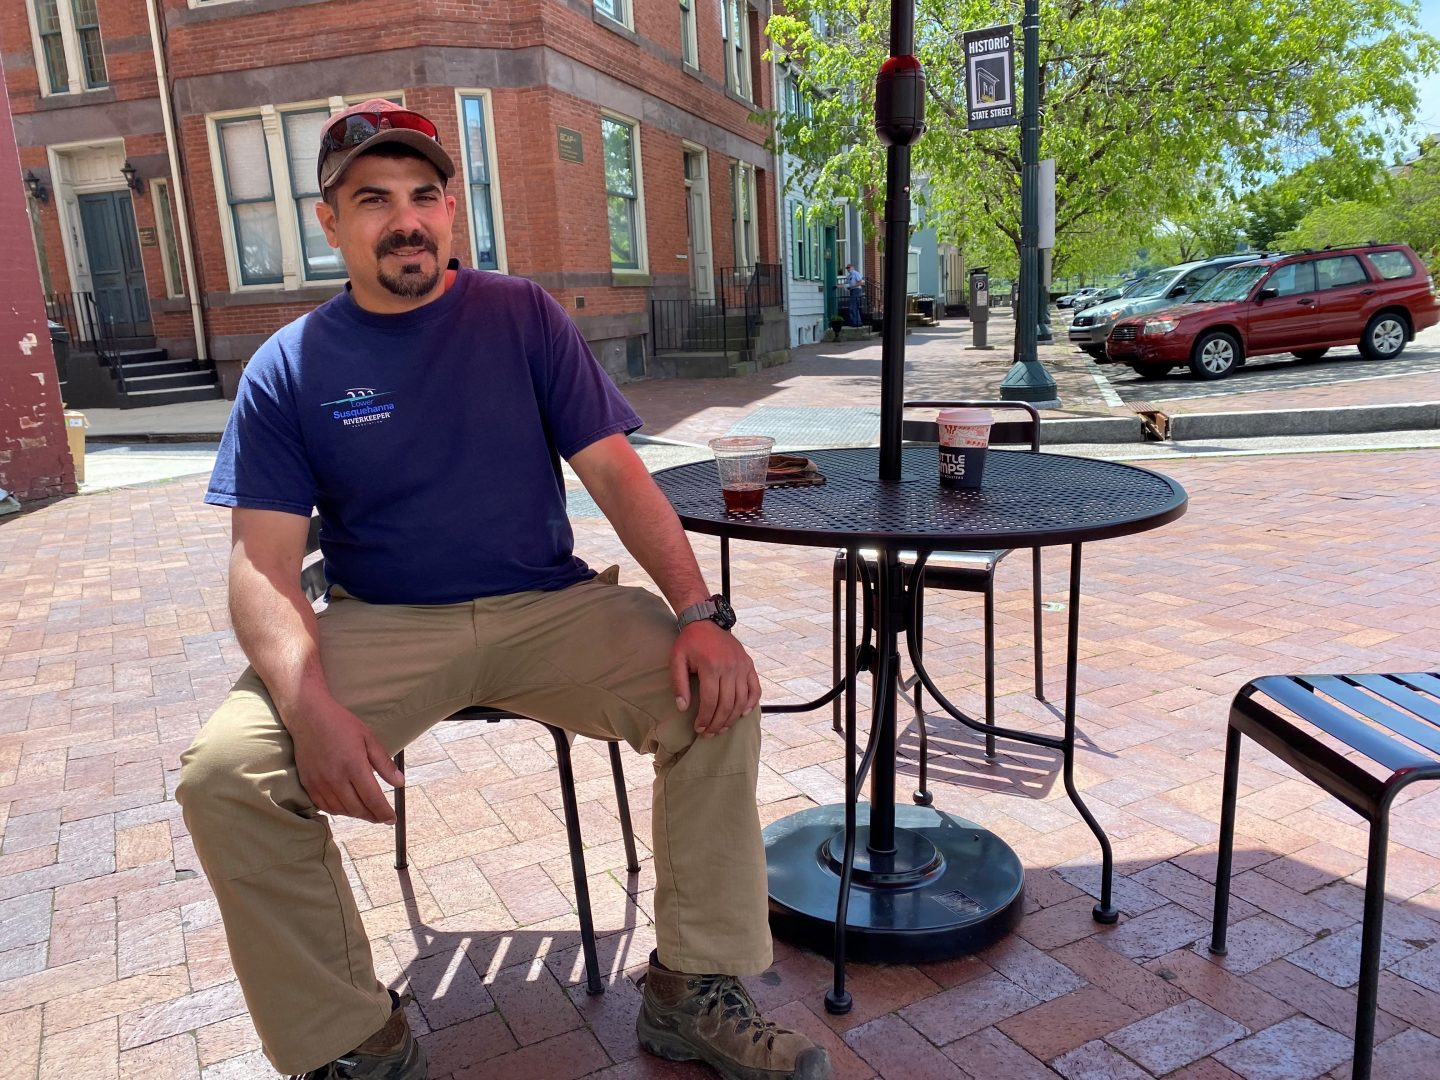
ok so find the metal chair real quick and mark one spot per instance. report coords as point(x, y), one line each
point(1394, 721)
point(312, 581)
point(955, 571)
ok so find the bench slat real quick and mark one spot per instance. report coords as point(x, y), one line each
point(1393, 688)
point(1428, 684)
point(1379, 748)
point(1374, 709)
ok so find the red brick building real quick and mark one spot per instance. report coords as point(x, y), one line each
point(606, 150)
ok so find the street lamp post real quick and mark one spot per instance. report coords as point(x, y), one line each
point(1027, 379)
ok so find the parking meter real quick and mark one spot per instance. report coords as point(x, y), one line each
point(979, 306)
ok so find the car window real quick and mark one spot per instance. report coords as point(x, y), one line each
point(1201, 275)
point(1341, 270)
point(1154, 285)
point(1233, 284)
point(1390, 264)
point(1292, 279)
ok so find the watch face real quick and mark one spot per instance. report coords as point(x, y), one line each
point(724, 615)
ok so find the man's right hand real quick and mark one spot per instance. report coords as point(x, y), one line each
point(337, 757)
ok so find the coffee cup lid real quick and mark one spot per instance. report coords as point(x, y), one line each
point(965, 416)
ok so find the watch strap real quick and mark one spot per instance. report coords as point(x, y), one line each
point(705, 609)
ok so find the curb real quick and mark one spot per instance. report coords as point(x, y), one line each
point(1337, 420)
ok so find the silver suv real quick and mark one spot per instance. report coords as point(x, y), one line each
point(1090, 328)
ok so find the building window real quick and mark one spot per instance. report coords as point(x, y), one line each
point(689, 48)
point(742, 203)
point(799, 268)
point(476, 138)
point(618, 10)
point(302, 131)
point(735, 29)
point(169, 249)
point(622, 192)
point(250, 194)
point(67, 37)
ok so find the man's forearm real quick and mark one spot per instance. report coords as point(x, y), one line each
point(277, 630)
point(650, 531)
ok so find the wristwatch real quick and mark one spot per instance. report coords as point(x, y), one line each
point(717, 609)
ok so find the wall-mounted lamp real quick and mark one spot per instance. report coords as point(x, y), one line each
point(36, 187)
point(132, 177)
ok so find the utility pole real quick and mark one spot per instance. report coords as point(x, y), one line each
point(1027, 379)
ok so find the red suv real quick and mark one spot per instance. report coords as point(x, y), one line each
point(1305, 303)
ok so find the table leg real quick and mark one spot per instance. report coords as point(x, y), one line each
point(881, 882)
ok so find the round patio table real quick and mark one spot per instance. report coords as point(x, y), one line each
point(913, 883)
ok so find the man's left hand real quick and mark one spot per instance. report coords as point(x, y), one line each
point(729, 687)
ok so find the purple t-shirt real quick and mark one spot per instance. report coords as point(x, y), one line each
point(428, 441)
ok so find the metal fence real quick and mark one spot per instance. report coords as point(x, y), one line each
point(728, 323)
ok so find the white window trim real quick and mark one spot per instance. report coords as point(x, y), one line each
point(165, 230)
point(492, 163)
point(737, 62)
point(627, 13)
point(641, 244)
point(752, 234)
point(690, 35)
point(74, 57)
point(291, 258)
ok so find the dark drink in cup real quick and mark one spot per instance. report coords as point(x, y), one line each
point(740, 499)
point(742, 462)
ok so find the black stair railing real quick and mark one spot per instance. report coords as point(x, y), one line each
point(728, 323)
point(89, 328)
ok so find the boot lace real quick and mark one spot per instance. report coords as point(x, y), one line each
point(725, 992)
point(339, 1069)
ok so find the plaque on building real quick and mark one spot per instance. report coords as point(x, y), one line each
point(570, 147)
point(147, 236)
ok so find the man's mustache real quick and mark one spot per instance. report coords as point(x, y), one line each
point(406, 240)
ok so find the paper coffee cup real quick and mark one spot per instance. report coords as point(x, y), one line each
point(964, 438)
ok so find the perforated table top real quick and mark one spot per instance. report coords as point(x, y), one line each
point(1028, 500)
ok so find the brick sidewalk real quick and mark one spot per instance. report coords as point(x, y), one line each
point(115, 643)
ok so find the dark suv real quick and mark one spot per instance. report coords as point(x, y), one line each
point(1305, 303)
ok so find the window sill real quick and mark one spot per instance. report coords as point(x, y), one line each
point(69, 98)
point(629, 279)
point(601, 19)
point(693, 70)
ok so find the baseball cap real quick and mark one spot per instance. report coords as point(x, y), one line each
point(361, 128)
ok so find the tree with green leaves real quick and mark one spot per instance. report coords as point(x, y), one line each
point(1142, 100)
point(1404, 209)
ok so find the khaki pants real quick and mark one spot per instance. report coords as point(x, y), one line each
point(592, 659)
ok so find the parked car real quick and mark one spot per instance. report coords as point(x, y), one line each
point(1068, 300)
point(1305, 303)
point(1089, 330)
point(1114, 292)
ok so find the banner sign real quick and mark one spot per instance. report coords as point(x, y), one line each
point(990, 77)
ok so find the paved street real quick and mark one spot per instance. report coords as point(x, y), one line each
point(116, 647)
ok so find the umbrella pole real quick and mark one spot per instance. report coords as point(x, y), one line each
point(897, 249)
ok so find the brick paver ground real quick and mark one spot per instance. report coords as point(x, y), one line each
point(112, 962)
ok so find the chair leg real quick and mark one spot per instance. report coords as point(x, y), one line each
point(1036, 587)
point(923, 795)
point(401, 861)
point(1367, 993)
point(990, 667)
point(1229, 793)
point(835, 653)
point(577, 859)
point(622, 805)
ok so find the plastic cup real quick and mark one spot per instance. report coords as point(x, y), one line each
point(742, 461)
point(964, 439)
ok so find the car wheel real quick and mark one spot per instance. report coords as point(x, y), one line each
point(1216, 355)
point(1384, 337)
point(1097, 352)
point(1151, 371)
point(1309, 354)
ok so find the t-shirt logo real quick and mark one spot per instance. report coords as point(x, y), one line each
point(360, 405)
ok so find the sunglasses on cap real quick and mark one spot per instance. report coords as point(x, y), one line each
point(350, 131)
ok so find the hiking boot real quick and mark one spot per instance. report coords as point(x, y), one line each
point(711, 1018)
point(390, 1054)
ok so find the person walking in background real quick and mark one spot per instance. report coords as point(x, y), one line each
point(853, 281)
